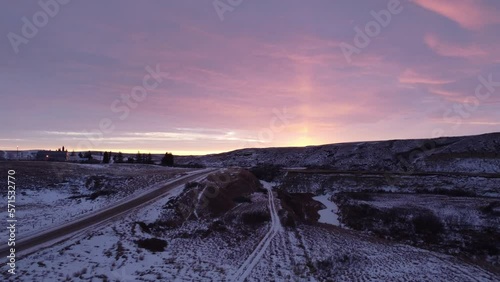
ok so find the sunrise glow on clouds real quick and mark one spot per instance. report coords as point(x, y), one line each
point(269, 74)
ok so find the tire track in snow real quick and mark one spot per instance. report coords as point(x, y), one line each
point(252, 260)
point(287, 259)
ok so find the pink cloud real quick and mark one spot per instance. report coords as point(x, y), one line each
point(469, 14)
point(409, 76)
point(448, 96)
point(448, 49)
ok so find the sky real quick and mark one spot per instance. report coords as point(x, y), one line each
point(197, 77)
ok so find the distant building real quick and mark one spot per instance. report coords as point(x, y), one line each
point(58, 156)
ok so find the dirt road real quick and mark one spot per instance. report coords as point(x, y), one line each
point(254, 258)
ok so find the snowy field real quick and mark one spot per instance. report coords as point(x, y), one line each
point(49, 194)
point(269, 252)
point(462, 210)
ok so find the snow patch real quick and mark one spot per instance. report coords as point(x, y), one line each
point(329, 214)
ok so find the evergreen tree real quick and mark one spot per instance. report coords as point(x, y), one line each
point(105, 158)
point(138, 158)
point(119, 158)
point(149, 159)
point(168, 159)
point(80, 155)
point(88, 155)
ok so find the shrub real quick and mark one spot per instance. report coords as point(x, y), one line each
point(395, 215)
point(318, 167)
point(218, 226)
point(190, 185)
point(361, 196)
point(190, 165)
point(490, 208)
point(253, 218)
point(266, 172)
point(152, 244)
point(241, 199)
point(457, 192)
point(144, 226)
point(428, 223)
point(290, 221)
point(488, 247)
point(97, 194)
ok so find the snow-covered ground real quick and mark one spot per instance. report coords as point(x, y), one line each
point(321, 183)
point(271, 253)
point(468, 154)
point(253, 259)
point(464, 211)
point(195, 251)
point(66, 195)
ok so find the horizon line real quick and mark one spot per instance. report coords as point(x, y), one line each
point(204, 153)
